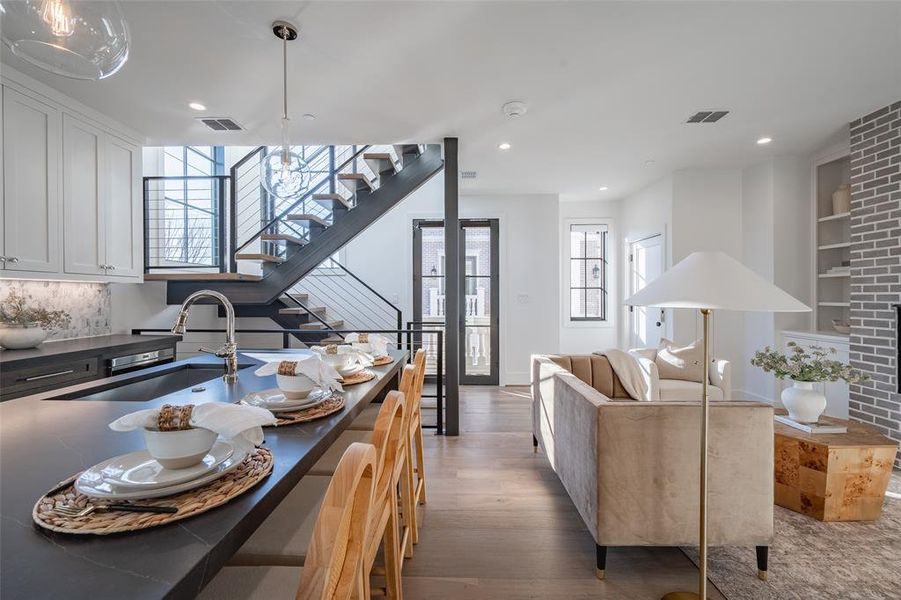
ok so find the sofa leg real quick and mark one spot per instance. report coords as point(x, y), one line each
point(762, 555)
point(601, 552)
point(534, 443)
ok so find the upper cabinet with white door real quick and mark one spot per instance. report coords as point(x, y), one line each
point(71, 201)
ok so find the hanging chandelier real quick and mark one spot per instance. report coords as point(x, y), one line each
point(283, 172)
point(74, 38)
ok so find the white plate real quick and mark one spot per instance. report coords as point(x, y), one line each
point(275, 401)
point(97, 488)
point(140, 470)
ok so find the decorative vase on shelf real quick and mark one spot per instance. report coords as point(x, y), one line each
point(841, 199)
point(804, 403)
point(16, 336)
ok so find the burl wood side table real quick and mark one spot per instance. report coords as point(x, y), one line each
point(834, 476)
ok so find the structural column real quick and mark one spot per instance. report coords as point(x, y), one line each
point(453, 287)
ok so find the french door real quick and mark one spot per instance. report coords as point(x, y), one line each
point(479, 294)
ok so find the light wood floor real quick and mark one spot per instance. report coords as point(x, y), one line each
point(499, 525)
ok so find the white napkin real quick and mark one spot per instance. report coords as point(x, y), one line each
point(322, 374)
point(235, 423)
point(378, 344)
point(363, 358)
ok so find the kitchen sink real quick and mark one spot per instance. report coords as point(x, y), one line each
point(141, 387)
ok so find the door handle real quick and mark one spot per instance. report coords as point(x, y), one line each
point(48, 375)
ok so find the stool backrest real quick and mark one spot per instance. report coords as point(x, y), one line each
point(332, 566)
point(416, 402)
point(387, 436)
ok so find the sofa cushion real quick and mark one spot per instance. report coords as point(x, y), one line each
point(595, 370)
point(680, 362)
point(678, 389)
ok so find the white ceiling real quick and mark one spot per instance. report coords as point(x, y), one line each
point(608, 84)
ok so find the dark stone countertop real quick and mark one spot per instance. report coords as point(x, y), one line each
point(44, 441)
point(102, 344)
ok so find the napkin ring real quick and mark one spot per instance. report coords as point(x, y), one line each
point(174, 418)
point(363, 338)
point(286, 367)
point(331, 349)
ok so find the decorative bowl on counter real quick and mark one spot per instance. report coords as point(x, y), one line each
point(295, 387)
point(343, 362)
point(18, 336)
point(181, 448)
point(841, 326)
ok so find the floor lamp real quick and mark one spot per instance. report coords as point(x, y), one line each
point(709, 281)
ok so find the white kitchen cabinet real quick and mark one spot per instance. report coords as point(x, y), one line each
point(84, 227)
point(101, 196)
point(71, 203)
point(123, 209)
point(31, 174)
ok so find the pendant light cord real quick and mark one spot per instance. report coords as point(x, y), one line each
point(285, 70)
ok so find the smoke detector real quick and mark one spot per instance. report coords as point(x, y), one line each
point(515, 109)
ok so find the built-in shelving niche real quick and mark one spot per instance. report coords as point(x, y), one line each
point(833, 244)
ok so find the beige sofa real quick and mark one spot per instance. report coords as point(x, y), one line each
point(631, 467)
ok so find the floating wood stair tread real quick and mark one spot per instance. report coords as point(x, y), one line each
point(318, 325)
point(380, 162)
point(260, 257)
point(201, 277)
point(328, 200)
point(301, 311)
point(282, 237)
point(309, 218)
point(355, 181)
point(414, 149)
point(290, 299)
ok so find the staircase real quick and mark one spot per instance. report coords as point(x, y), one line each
point(279, 259)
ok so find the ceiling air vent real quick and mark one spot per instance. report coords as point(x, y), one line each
point(468, 174)
point(707, 116)
point(220, 123)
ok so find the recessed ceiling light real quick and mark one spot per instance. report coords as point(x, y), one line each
point(650, 163)
point(197, 106)
point(309, 117)
point(764, 140)
point(603, 188)
point(503, 146)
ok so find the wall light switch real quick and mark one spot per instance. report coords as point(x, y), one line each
point(522, 299)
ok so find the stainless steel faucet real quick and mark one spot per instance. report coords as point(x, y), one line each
point(229, 351)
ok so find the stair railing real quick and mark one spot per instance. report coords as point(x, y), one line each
point(255, 212)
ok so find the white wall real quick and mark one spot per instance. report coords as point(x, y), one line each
point(587, 337)
point(529, 265)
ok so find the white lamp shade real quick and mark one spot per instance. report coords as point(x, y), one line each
point(716, 281)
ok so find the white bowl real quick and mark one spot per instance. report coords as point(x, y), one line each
point(339, 362)
point(295, 387)
point(179, 449)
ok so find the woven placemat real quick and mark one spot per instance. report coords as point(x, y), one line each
point(382, 361)
point(330, 406)
point(358, 377)
point(250, 472)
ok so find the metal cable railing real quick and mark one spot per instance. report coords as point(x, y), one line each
point(408, 339)
point(184, 222)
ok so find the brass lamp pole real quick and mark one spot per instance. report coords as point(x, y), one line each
point(710, 281)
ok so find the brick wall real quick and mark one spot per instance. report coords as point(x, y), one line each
point(876, 267)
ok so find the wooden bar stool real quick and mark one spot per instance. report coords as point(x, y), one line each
point(284, 536)
point(416, 427)
point(333, 569)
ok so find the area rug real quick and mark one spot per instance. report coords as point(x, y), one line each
point(810, 559)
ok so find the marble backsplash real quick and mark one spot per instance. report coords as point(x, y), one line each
point(87, 303)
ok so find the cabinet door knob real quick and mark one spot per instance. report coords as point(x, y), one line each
point(12, 259)
point(111, 267)
point(2, 259)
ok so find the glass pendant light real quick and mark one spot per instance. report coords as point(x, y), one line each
point(81, 39)
point(284, 173)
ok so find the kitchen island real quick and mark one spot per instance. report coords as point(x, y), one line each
point(43, 441)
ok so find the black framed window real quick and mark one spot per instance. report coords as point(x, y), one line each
point(191, 220)
point(587, 272)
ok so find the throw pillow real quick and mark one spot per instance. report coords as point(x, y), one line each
point(685, 362)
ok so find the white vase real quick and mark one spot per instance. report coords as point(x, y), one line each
point(804, 403)
point(18, 337)
point(841, 199)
